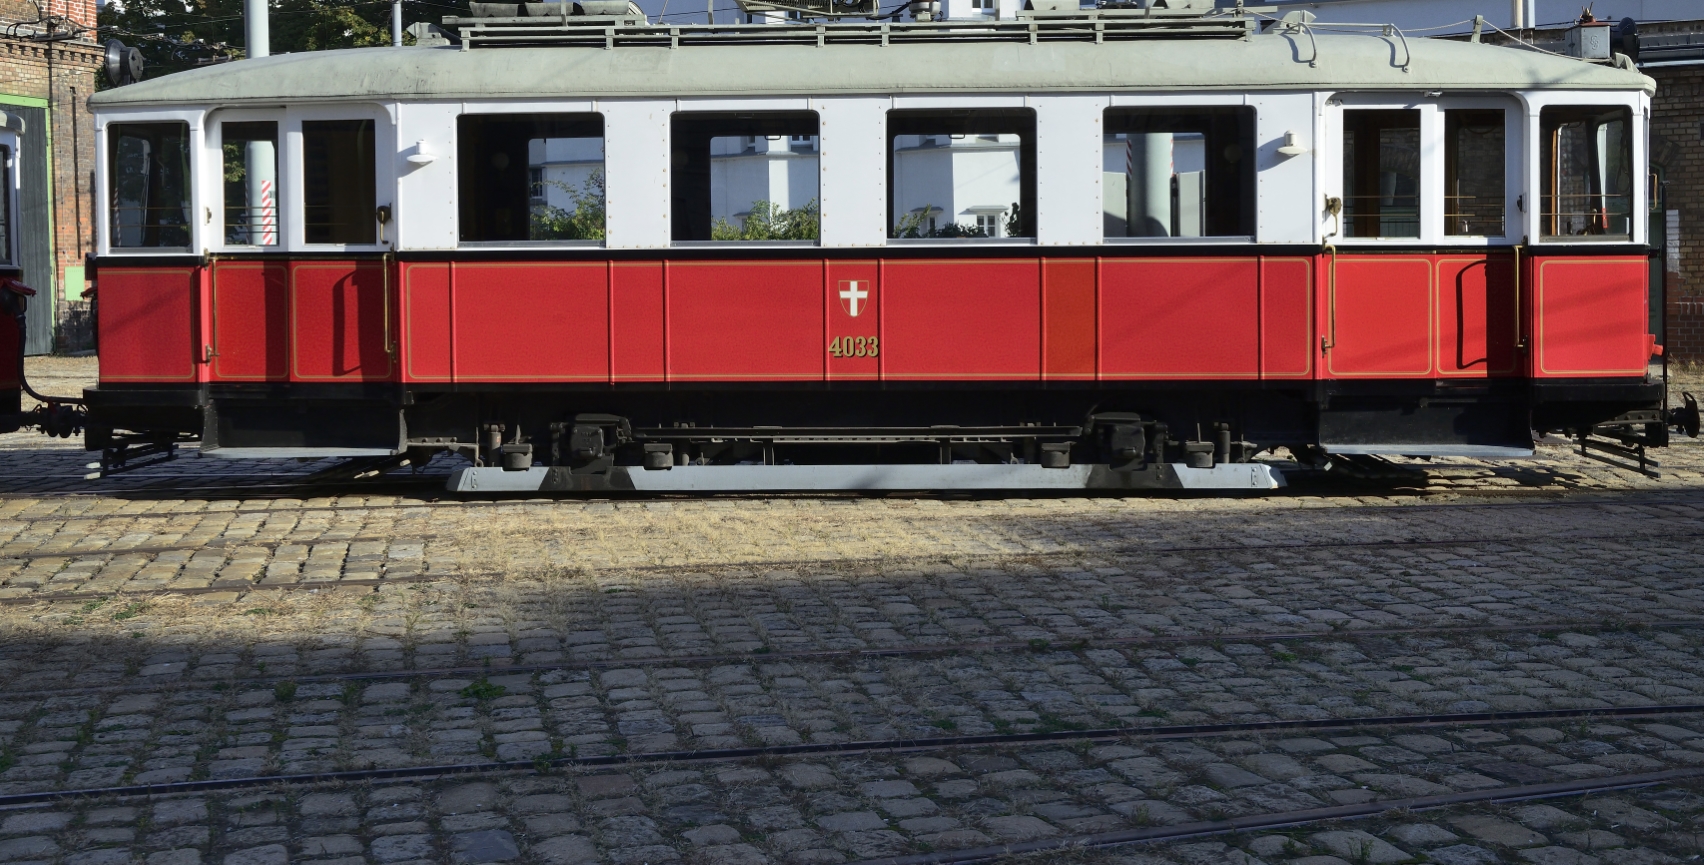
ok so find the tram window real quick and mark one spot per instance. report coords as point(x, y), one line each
point(150, 184)
point(1473, 173)
point(250, 152)
point(1588, 173)
point(338, 181)
point(745, 177)
point(1381, 173)
point(961, 174)
point(1178, 172)
point(531, 177)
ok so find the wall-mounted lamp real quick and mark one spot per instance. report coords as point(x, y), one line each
point(1290, 147)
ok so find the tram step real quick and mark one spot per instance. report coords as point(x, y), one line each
point(1243, 477)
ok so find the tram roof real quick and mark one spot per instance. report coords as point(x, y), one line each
point(1267, 61)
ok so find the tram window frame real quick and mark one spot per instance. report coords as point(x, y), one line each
point(1552, 118)
point(484, 166)
point(1228, 184)
point(235, 198)
point(1354, 166)
point(1457, 218)
point(360, 232)
point(956, 125)
point(692, 217)
point(164, 235)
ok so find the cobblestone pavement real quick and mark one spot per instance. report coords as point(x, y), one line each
point(199, 621)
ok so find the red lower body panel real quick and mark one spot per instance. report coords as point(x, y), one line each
point(1180, 318)
point(1589, 316)
point(150, 329)
point(1108, 318)
point(251, 321)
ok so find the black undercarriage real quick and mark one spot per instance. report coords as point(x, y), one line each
point(589, 428)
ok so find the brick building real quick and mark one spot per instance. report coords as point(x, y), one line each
point(1672, 52)
point(48, 65)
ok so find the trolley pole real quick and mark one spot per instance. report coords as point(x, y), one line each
point(396, 23)
point(255, 32)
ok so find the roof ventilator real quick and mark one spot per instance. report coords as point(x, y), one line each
point(607, 23)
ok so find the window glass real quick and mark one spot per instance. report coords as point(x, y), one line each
point(1381, 173)
point(1178, 172)
point(745, 177)
point(250, 152)
point(338, 181)
point(1473, 173)
point(6, 178)
point(961, 174)
point(1588, 173)
point(531, 177)
point(150, 184)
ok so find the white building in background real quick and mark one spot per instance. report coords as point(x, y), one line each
point(780, 169)
point(970, 180)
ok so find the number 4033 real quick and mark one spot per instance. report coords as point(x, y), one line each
point(854, 346)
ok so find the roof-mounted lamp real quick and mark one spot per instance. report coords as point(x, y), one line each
point(122, 64)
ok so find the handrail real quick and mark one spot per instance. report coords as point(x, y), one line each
point(1520, 332)
point(602, 33)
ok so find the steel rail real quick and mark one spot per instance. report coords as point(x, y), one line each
point(722, 755)
point(1282, 819)
point(1599, 626)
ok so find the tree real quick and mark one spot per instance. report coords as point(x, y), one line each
point(766, 221)
point(175, 35)
point(584, 221)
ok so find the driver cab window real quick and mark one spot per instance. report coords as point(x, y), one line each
point(339, 187)
point(150, 184)
point(1588, 173)
point(250, 151)
point(1381, 173)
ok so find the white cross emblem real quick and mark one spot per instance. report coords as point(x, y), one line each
point(852, 293)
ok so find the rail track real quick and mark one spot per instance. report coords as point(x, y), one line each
point(1154, 733)
point(915, 650)
point(1286, 819)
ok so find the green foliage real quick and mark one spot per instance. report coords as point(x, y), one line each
point(584, 221)
point(284, 692)
point(770, 222)
point(176, 35)
point(484, 690)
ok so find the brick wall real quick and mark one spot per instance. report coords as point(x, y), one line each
point(26, 69)
point(79, 11)
point(1677, 144)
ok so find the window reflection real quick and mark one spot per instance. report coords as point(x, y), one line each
point(150, 184)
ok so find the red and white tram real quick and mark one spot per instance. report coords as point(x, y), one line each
point(1383, 246)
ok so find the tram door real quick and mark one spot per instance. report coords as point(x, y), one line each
point(10, 391)
point(30, 222)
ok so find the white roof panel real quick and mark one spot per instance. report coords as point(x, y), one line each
point(1262, 62)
